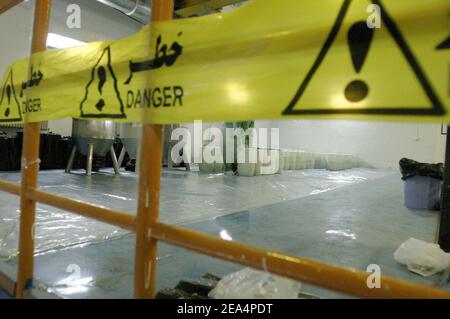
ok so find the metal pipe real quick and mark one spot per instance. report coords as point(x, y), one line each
point(113, 217)
point(114, 160)
point(10, 187)
point(89, 159)
point(8, 4)
point(30, 164)
point(348, 281)
point(7, 284)
point(106, 215)
point(149, 188)
point(71, 158)
point(121, 156)
point(131, 8)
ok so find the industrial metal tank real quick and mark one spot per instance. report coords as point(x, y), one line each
point(93, 138)
point(130, 135)
point(99, 133)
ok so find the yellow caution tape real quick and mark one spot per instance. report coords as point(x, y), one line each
point(270, 59)
point(81, 82)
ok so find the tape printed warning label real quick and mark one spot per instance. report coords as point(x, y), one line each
point(305, 61)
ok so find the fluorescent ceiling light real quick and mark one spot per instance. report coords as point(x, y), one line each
point(61, 42)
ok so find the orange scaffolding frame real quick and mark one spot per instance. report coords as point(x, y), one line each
point(149, 230)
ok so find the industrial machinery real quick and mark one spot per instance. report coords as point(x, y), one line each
point(130, 135)
point(93, 138)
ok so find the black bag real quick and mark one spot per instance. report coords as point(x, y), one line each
point(410, 168)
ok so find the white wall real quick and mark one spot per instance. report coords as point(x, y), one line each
point(98, 23)
point(15, 33)
point(381, 144)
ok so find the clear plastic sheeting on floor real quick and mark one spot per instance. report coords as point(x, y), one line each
point(185, 197)
point(353, 226)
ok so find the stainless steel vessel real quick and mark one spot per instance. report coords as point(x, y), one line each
point(130, 135)
point(99, 133)
point(93, 138)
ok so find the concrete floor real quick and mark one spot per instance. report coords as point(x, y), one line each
point(185, 197)
point(353, 225)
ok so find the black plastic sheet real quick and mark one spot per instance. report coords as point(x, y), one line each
point(410, 168)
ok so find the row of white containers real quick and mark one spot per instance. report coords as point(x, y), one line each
point(300, 160)
point(289, 160)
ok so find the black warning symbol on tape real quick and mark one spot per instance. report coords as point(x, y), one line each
point(359, 39)
point(102, 98)
point(9, 104)
point(444, 45)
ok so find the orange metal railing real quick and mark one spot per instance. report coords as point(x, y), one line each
point(8, 4)
point(149, 231)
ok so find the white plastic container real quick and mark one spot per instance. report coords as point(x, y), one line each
point(309, 163)
point(247, 169)
point(258, 169)
point(299, 160)
point(292, 160)
point(320, 161)
point(280, 163)
point(335, 162)
point(268, 162)
point(305, 160)
point(285, 156)
point(258, 164)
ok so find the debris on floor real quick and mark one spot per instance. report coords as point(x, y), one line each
point(206, 288)
point(425, 259)
point(249, 283)
point(191, 289)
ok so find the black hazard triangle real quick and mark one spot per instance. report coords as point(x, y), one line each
point(102, 97)
point(9, 104)
point(436, 108)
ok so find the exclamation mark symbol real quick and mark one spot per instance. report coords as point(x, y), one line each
point(101, 72)
point(8, 96)
point(359, 39)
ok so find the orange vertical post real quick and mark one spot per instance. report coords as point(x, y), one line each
point(149, 188)
point(30, 165)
